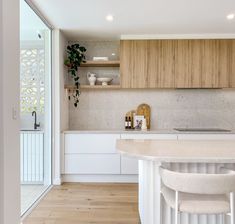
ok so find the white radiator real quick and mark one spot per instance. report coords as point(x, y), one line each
point(32, 153)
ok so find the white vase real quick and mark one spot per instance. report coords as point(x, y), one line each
point(91, 78)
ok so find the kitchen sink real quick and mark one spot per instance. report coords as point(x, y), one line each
point(202, 130)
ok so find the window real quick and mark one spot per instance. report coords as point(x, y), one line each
point(32, 81)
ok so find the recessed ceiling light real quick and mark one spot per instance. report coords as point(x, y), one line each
point(109, 18)
point(230, 16)
point(113, 54)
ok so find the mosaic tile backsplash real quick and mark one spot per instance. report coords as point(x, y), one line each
point(105, 110)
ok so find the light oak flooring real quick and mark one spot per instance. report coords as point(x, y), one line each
point(88, 203)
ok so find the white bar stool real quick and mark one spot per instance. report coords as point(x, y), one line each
point(198, 193)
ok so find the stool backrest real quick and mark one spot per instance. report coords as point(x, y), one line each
point(199, 183)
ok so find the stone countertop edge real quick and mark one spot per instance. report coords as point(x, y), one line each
point(160, 131)
point(177, 160)
point(219, 151)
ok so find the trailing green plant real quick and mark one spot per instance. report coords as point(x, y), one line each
point(75, 56)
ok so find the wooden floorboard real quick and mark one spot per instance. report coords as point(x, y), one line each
point(88, 203)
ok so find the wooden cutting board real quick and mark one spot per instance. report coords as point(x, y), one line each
point(144, 109)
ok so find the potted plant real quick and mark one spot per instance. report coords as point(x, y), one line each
point(75, 56)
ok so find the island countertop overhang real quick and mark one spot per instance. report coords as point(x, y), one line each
point(179, 151)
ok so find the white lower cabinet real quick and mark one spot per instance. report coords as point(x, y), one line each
point(90, 143)
point(93, 157)
point(92, 164)
point(91, 154)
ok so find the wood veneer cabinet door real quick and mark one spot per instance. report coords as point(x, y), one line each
point(202, 63)
point(224, 71)
point(133, 64)
point(217, 63)
point(154, 64)
point(182, 63)
point(210, 61)
point(161, 58)
point(187, 64)
point(232, 64)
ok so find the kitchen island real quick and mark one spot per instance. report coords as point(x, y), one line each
point(187, 155)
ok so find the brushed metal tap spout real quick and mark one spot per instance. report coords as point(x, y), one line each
point(34, 113)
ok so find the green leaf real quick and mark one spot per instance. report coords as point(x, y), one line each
point(75, 56)
point(82, 49)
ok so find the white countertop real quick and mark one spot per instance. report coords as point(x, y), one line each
point(121, 131)
point(221, 151)
point(158, 131)
point(32, 131)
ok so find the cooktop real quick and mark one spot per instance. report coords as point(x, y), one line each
point(202, 130)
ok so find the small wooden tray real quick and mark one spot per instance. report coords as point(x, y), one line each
point(144, 109)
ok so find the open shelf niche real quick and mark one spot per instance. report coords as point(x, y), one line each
point(102, 68)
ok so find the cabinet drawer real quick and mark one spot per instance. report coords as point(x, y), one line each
point(148, 136)
point(129, 165)
point(90, 143)
point(92, 164)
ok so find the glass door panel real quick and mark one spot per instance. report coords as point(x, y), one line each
point(35, 106)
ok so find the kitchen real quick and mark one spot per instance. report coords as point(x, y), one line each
point(127, 100)
point(193, 111)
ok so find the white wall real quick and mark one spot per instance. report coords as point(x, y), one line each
point(60, 105)
point(64, 106)
point(1, 119)
point(9, 100)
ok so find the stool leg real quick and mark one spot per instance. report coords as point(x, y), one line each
point(177, 206)
point(231, 196)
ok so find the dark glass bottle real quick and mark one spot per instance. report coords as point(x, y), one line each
point(126, 122)
point(129, 122)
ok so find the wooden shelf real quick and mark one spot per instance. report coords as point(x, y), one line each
point(70, 87)
point(101, 64)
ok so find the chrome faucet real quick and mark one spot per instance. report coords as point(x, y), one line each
point(34, 113)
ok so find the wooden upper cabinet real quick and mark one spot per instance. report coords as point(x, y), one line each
point(187, 64)
point(177, 63)
point(232, 64)
point(202, 63)
point(161, 64)
point(133, 63)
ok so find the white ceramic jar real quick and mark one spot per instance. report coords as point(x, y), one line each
point(91, 78)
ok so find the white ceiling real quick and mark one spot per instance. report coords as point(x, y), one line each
point(85, 19)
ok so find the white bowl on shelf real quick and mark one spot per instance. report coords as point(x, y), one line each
point(100, 58)
point(104, 80)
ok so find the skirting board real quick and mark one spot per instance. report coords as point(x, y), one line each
point(100, 178)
